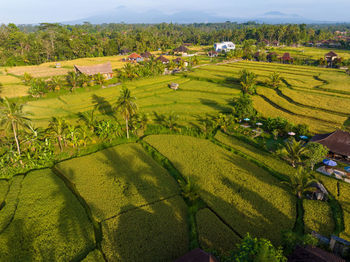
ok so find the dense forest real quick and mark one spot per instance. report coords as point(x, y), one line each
point(35, 44)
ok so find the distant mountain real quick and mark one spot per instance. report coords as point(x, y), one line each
point(128, 15)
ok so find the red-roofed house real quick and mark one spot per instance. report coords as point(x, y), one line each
point(135, 57)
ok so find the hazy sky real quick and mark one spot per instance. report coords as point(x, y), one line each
point(34, 11)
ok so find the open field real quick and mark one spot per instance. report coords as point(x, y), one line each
point(309, 52)
point(244, 195)
point(156, 232)
point(318, 217)
point(214, 234)
point(118, 179)
point(48, 223)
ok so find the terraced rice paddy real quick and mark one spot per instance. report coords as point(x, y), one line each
point(318, 217)
point(243, 194)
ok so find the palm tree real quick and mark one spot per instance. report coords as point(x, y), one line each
point(55, 83)
point(88, 117)
point(72, 79)
point(300, 183)
point(84, 80)
point(27, 78)
point(126, 106)
point(99, 79)
point(247, 80)
point(275, 80)
point(293, 150)
point(12, 116)
point(57, 128)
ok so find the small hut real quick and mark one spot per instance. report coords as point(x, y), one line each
point(103, 69)
point(213, 54)
point(162, 59)
point(174, 86)
point(286, 58)
point(146, 55)
point(330, 58)
point(134, 57)
point(181, 50)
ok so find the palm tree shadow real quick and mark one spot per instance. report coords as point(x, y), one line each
point(102, 105)
point(215, 105)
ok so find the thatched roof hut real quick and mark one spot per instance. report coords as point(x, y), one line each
point(163, 59)
point(337, 142)
point(103, 69)
point(181, 49)
point(146, 55)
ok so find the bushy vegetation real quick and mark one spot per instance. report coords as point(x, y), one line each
point(48, 224)
point(318, 217)
point(156, 232)
point(117, 178)
point(240, 192)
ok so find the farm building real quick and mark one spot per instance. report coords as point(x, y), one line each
point(103, 69)
point(337, 142)
point(181, 50)
point(213, 54)
point(146, 55)
point(163, 59)
point(330, 58)
point(224, 46)
point(286, 58)
point(135, 58)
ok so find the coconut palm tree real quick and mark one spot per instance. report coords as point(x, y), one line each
point(99, 79)
point(293, 150)
point(57, 128)
point(126, 106)
point(247, 80)
point(55, 83)
point(12, 117)
point(88, 117)
point(300, 183)
point(84, 80)
point(72, 79)
point(275, 80)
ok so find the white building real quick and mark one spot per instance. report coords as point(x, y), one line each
point(224, 46)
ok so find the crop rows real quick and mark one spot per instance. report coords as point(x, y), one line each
point(244, 195)
point(318, 217)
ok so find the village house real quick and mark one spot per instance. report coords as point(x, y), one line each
point(134, 57)
point(330, 58)
point(146, 55)
point(286, 58)
point(181, 50)
point(162, 59)
point(103, 69)
point(213, 54)
point(224, 46)
point(338, 143)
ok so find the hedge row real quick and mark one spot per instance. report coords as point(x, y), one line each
point(245, 196)
point(114, 179)
point(214, 234)
point(152, 233)
point(49, 223)
point(318, 217)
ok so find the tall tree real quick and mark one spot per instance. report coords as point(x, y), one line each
point(300, 182)
point(73, 79)
point(127, 107)
point(13, 117)
point(275, 80)
point(293, 150)
point(57, 128)
point(247, 80)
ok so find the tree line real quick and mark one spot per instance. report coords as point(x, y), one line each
point(28, 44)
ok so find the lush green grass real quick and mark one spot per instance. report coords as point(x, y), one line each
point(156, 232)
point(49, 223)
point(318, 217)
point(344, 200)
point(94, 256)
point(114, 179)
point(244, 195)
point(214, 234)
point(11, 201)
point(3, 190)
